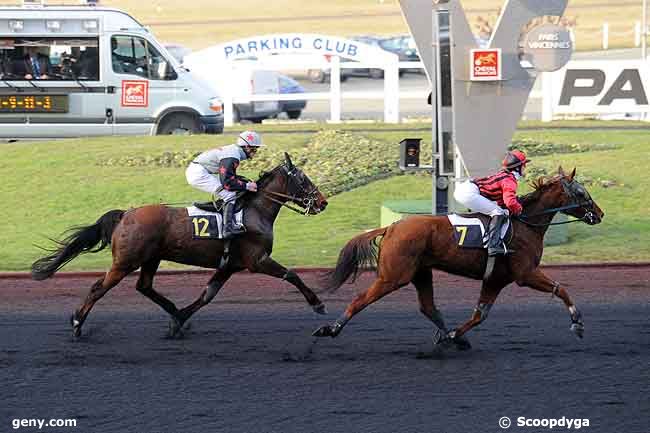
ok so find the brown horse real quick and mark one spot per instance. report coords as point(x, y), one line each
point(142, 237)
point(412, 247)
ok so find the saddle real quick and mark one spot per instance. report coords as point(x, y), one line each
point(210, 206)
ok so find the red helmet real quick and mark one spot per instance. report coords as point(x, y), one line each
point(514, 159)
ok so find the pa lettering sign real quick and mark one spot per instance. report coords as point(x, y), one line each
point(601, 87)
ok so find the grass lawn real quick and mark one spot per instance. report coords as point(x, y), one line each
point(49, 186)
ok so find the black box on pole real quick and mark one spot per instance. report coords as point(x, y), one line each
point(409, 153)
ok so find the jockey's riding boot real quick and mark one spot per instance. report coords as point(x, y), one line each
point(495, 244)
point(230, 228)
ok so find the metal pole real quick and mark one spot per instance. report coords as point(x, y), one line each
point(644, 31)
point(434, 112)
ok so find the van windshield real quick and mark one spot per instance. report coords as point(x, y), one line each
point(66, 59)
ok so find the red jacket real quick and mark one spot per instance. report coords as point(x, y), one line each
point(501, 188)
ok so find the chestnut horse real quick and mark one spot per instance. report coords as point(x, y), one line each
point(142, 237)
point(410, 248)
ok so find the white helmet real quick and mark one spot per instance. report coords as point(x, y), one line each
point(249, 138)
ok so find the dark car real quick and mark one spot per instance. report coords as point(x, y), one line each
point(403, 46)
point(288, 86)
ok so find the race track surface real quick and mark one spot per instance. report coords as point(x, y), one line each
point(249, 364)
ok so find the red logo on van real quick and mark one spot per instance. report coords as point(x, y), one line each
point(485, 64)
point(135, 93)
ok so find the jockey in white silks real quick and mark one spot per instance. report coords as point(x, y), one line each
point(215, 172)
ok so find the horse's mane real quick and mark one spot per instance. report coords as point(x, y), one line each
point(266, 176)
point(539, 185)
point(262, 181)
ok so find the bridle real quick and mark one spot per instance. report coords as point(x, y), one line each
point(575, 202)
point(306, 199)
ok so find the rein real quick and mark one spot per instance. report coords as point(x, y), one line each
point(270, 194)
point(526, 218)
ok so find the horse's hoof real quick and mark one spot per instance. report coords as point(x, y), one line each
point(578, 329)
point(319, 308)
point(461, 343)
point(175, 328)
point(323, 331)
point(76, 327)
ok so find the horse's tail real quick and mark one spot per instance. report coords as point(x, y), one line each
point(358, 253)
point(81, 239)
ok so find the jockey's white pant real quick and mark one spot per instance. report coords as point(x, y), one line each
point(468, 194)
point(202, 179)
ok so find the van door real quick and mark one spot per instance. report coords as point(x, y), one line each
point(143, 80)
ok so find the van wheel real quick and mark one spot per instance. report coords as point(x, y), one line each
point(236, 117)
point(179, 124)
point(294, 114)
point(316, 75)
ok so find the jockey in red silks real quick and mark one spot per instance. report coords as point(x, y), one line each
point(495, 196)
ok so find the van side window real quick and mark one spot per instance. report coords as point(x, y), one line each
point(49, 58)
point(134, 55)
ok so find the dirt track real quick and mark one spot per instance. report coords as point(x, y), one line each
point(248, 363)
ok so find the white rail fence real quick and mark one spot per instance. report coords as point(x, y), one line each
point(391, 94)
point(636, 33)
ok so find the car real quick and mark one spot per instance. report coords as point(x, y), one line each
point(324, 75)
point(367, 72)
point(404, 47)
point(290, 86)
point(241, 78)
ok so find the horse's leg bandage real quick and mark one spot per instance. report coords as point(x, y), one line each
point(482, 310)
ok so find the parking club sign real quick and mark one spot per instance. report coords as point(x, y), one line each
point(485, 64)
point(135, 93)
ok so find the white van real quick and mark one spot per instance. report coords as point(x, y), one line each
point(240, 79)
point(70, 71)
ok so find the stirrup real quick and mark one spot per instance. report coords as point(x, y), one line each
point(502, 250)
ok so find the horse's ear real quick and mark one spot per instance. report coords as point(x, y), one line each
point(560, 170)
point(573, 173)
point(287, 158)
